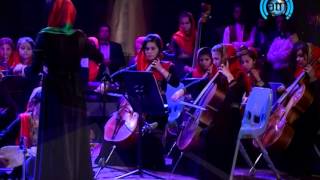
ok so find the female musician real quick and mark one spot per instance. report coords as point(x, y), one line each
point(149, 59)
point(220, 137)
point(299, 158)
point(305, 54)
point(183, 42)
point(25, 46)
point(224, 59)
point(248, 58)
point(204, 64)
point(8, 57)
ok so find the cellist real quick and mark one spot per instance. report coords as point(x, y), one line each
point(220, 137)
point(298, 159)
point(150, 59)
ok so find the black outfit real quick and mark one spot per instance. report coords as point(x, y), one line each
point(221, 136)
point(299, 159)
point(116, 57)
point(7, 107)
point(210, 35)
point(8, 110)
point(63, 141)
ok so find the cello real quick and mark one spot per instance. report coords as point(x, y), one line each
point(286, 111)
point(123, 124)
point(210, 98)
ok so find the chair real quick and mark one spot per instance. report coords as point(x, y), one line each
point(254, 123)
point(274, 86)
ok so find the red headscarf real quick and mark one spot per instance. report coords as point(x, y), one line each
point(63, 12)
point(14, 59)
point(229, 54)
point(184, 41)
point(143, 63)
point(198, 71)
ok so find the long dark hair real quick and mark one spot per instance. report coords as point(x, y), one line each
point(153, 38)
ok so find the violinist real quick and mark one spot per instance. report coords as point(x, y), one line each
point(299, 158)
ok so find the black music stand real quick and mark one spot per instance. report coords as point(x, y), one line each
point(144, 96)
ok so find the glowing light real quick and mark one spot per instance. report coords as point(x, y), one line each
point(276, 8)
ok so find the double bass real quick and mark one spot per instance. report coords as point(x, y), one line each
point(281, 127)
point(205, 14)
point(210, 98)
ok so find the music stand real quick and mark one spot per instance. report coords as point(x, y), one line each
point(144, 96)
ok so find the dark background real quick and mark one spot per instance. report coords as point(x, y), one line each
point(26, 17)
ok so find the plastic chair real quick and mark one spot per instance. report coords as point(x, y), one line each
point(274, 86)
point(254, 123)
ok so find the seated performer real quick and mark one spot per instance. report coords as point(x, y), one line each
point(300, 159)
point(220, 136)
point(248, 58)
point(149, 59)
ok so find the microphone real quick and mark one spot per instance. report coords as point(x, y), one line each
point(148, 127)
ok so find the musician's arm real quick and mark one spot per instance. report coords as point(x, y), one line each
point(38, 58)
point(195, 86)
point(235, 92)
point(173, 78)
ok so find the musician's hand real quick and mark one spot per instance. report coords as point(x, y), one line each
point(281, 89)
point(187, 69)
point(102, 88)
point(156, 65)
point(311, 72)
point(19, 69)
point(256, 76)
point(225, 71)
point(177, 95)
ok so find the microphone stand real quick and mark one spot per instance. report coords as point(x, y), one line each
point(23, 148)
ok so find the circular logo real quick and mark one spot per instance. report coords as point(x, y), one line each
point(277, 7)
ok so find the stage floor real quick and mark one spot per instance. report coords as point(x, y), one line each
point(111, 172)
